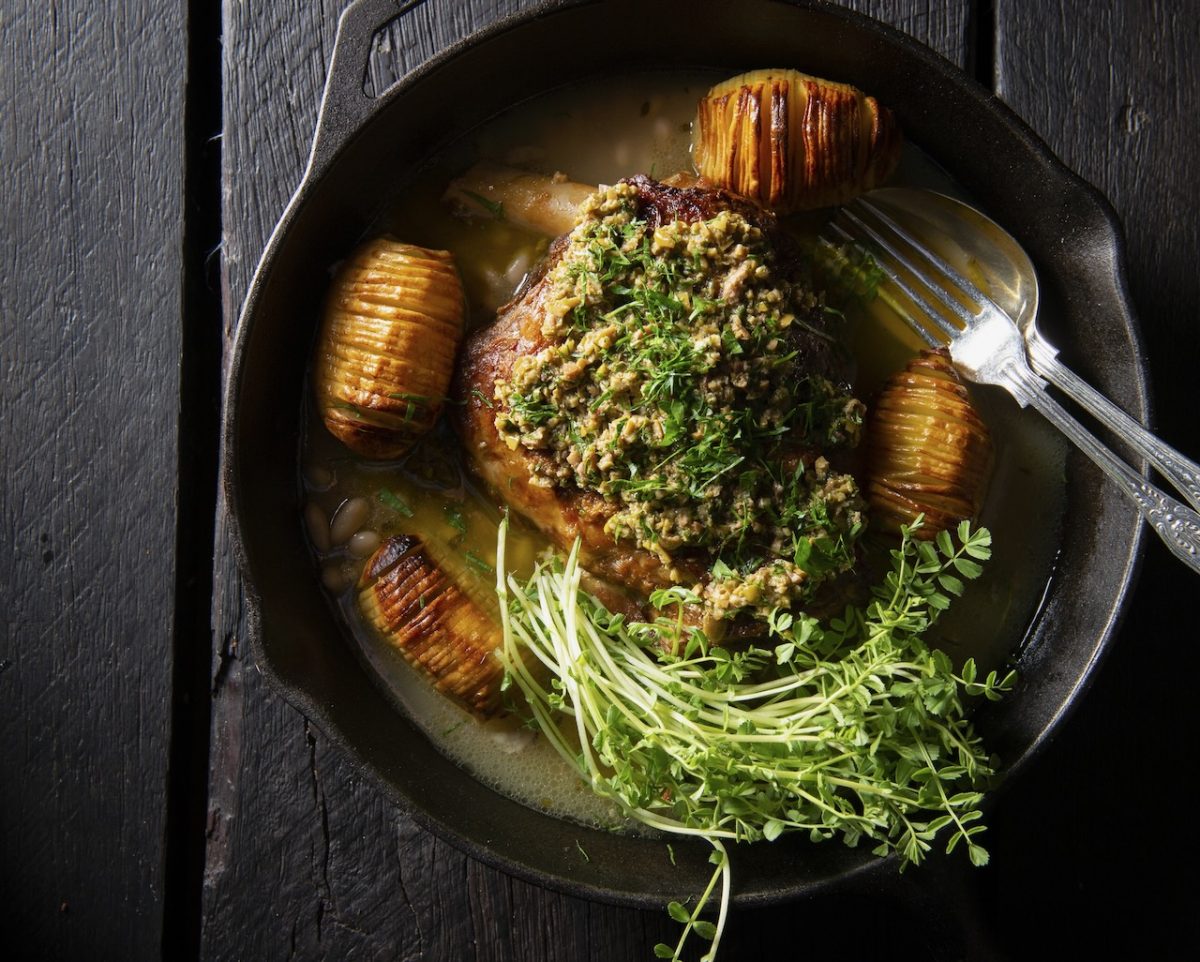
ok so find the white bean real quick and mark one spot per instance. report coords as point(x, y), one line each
point(334, 578)
point(517, 269)
point(317, 525)
point(348, 518)
point(363, 544)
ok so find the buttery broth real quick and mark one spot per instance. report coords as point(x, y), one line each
point(598, 133)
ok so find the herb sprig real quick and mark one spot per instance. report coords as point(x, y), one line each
point(852, 727)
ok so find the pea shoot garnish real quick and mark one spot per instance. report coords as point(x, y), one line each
point(850, 727)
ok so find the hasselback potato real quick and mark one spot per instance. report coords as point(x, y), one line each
point(928, 450)
point(435, 625)
point(385, 353)
point(793, 142)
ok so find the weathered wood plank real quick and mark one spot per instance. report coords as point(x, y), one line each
point(305, 859)
point(1112, 87)
point(947, 27)
point(91, 138)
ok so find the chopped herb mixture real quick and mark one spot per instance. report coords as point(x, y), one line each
point(678, 381)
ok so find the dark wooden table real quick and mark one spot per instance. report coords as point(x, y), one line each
point(158, 800)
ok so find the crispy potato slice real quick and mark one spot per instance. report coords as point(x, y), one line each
point(793, 142)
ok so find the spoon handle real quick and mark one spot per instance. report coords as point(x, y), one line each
point(1183, 473)
point(1174, 522)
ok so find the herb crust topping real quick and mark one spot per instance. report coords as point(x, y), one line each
point(684, 379)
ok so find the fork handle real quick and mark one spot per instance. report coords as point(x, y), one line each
point(1178, 470)
point(1176, 523)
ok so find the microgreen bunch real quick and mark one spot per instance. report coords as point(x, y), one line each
point(852, 727)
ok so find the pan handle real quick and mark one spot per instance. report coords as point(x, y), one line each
point(345, 103)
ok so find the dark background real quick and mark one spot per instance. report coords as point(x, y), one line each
point(156, 799)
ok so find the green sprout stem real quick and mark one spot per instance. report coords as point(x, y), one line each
point(857, 728)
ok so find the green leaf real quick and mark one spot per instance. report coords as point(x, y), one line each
point(980, 544)
point(347, 406)
point(928, 555)
point(951, 584)
point(704, 929)
point(967, 568)
point(780, 621)
point(678, 912)
point(663, 951)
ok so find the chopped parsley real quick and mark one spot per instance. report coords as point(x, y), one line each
point(347, 406)
point(478, 565)
point(392, 500)
point(495, 208)
point(454, 518)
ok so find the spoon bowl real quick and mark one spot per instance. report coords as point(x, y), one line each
point(975, 244)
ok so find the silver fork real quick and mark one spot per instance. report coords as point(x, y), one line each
point(987, 347)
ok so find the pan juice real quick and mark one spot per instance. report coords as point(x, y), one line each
point(598, 133)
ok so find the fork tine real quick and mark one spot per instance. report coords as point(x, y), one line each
point(933, 340)
point(932, 259)
point(929, 314)
point(934, 315)
point(919, 329)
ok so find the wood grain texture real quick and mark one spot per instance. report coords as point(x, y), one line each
point(91, 140)
point(304, 859)
point(946, 26)
point(1112, 87)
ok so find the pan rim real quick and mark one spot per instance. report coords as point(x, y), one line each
point(232, 455)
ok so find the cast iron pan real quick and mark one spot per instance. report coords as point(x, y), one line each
point(364, 145)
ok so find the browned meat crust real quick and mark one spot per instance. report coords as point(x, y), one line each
point(660, 203)
point(561, 515)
